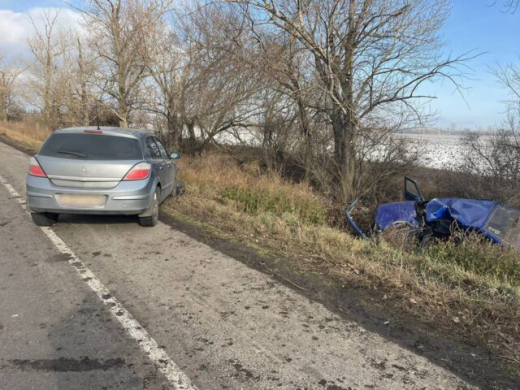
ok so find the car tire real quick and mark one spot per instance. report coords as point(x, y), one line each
point(44, 219)
point(151, 220)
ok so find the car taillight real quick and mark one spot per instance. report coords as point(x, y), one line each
point(139, 172)
point(35, 169)
point(93, 131)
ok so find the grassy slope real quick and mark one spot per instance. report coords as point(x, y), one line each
point(469, 289)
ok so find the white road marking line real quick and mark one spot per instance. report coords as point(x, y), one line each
point(158, 356)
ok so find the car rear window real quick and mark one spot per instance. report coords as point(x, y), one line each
point(92, 147)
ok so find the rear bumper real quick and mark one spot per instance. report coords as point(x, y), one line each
point(127, 198)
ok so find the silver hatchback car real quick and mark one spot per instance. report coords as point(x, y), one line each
point(92, 170)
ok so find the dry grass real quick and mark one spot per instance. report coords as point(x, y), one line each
point(218, 177)
point(31, 134)
point(451, 286)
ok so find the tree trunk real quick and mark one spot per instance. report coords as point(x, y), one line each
point(192, 146)
point(85, 115)
point(174, 129)
point(305, 129)
point(345, 128)
point(123, 114)
point(46, 102)
point(47, 91)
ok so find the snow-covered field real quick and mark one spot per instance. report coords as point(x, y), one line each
point(441, 151)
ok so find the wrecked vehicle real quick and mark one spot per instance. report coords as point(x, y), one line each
point(439, 218)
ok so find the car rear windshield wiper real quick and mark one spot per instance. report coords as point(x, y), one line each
point(77, 154)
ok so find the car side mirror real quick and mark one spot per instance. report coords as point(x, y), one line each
point(175, 156)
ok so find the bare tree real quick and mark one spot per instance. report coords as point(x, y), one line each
point(280, 62)
point(509, 76)
point(167, 64)
point(10, 71)
point(496, 157)
point(85, 74)
point(199, 88)
point(116, 36)
point(47, 45)
point(370, 58)
point(510, 5)
point(222, 91)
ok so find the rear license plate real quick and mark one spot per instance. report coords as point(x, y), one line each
point(81, 201)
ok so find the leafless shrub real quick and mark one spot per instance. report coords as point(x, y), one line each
point(494, 160)
point(10, 72)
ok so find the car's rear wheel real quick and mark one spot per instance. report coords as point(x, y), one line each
point(153, 212)
point(44, 219)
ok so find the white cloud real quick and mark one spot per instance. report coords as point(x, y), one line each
point(12, 27)
point(16, 27)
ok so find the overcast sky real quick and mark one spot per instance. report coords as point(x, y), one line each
point(473, 25)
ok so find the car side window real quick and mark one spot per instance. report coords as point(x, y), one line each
point(152, 148)
point(162, 149)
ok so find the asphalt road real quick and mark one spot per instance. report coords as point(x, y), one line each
point(174, 309)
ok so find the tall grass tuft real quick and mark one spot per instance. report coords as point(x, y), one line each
point(219, 177)
point(472, 254)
